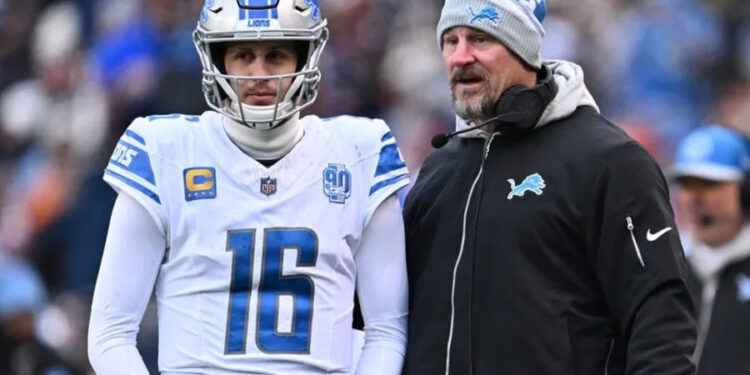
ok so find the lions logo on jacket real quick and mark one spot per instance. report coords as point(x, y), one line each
point(533, 183)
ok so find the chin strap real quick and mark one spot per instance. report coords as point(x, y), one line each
point(265, 144)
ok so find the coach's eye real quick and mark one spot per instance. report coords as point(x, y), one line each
point(481, 39)
point(451, 40)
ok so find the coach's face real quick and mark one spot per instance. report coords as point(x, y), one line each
point(712, 209)
point(480, 69)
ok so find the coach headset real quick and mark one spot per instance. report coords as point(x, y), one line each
point(518, 109)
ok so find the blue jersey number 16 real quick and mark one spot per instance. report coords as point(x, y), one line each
point(273, 285)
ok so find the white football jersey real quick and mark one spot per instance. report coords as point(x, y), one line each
point(259, 273)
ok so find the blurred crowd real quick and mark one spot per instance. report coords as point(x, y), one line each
point(73, 74)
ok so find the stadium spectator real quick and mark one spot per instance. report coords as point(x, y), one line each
point(711, 170)
point(22, 296)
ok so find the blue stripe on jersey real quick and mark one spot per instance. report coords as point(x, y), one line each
point(390, 160)
point(135, 136)
point(386, 137)
point(133, 159)
point(387, 182)
point(134, 185)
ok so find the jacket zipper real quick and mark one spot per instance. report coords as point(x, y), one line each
point(609, 356)
point(487, 144)
point(629, 220)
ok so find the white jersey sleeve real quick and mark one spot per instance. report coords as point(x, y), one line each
point(130, 264)
point(379, 254)
point(382, 286)
point(133, 169)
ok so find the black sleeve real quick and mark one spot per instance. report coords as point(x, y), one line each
point(640, 263)
point(411, 224)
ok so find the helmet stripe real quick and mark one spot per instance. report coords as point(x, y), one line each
point(243, 11)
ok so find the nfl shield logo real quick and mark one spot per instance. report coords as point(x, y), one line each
point(268, 185)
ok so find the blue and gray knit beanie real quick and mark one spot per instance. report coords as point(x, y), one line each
point(515, 23)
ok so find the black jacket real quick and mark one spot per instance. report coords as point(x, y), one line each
point(724, 314)
point(561, 280)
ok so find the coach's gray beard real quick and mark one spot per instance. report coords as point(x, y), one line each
point(474, 110)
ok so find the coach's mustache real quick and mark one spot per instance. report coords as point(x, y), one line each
point(466, 75)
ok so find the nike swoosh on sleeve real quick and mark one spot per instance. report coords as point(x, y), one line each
point(651, 237)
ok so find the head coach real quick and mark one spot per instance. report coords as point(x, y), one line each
point(540, 238)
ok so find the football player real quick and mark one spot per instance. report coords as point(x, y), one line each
point(252, 225)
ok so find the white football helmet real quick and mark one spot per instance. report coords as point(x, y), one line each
point(223, 21)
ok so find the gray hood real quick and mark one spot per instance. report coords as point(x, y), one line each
point(571, 94)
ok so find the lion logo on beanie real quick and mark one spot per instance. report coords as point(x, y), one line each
point(488, 13)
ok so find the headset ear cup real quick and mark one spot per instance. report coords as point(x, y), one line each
point(530, 106)
point(513, 100)
point(507, 101)
point(527, 103)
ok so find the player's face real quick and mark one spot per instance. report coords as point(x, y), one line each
point(480, 69)
point(262, 58)
point(712, 209)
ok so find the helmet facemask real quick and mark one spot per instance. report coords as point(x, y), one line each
point(222, 90)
